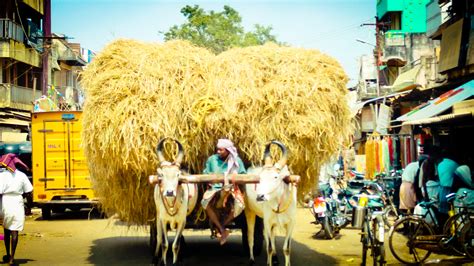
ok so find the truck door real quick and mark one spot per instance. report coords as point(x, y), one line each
point(56, 154)
point(65, 164)
point(79, 172)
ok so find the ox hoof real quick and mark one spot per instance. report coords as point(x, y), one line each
point(275, 261)
point(251, 262)
point(178, 263)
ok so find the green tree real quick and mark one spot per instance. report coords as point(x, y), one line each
point(218, 31)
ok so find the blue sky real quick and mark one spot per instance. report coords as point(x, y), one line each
point(331, 26)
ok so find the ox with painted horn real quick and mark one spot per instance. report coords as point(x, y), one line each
point(274, 200)
point(174, 201)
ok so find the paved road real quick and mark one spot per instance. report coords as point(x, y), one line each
point(73, 239)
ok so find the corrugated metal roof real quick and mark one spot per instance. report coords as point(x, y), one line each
point(13, 121)
point(439, 119)
point(440, 104)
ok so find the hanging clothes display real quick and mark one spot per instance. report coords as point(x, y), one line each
point(385, 153)
point(390, 150)
point(377, 155)
point(396, 153)
point(381, 157)
point(386, 156)
point(369, 158)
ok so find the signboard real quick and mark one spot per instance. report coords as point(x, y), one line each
point(451, 46)
point(395, 39)
point(383, 119)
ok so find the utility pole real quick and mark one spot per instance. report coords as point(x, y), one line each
point(378, 51)
point(46, 45)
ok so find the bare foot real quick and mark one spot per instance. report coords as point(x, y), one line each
point(224, 237)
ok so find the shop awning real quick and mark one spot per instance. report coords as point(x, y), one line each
point(360, 105)
point(406, 80)
point(440, 119)
point(440, 104)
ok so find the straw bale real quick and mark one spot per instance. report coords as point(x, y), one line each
point(275, 92)
point(137, 93)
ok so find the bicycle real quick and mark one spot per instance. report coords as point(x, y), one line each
point(373, 231)
point(391, 214)
point(412, 239)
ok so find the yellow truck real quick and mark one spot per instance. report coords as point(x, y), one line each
point(61, 178)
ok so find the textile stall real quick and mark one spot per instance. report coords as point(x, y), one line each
point(386, 152)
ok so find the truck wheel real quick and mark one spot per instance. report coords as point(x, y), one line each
point(46, 212)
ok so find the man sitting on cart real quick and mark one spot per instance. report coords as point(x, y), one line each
point(223, 202)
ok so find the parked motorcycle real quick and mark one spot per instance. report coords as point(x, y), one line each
point(329, 211)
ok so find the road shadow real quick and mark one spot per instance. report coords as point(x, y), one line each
point(22, 261)
point(83, 214)
point(198, 250)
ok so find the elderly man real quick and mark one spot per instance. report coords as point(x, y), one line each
point(226, 161)
point(13, 185)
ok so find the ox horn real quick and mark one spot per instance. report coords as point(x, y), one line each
point(159, 150)
point(180, 156)
point(284, 152)
point(267, 158)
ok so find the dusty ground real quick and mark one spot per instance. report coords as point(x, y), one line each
point(73, 239)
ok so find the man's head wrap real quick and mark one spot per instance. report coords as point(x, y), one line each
point(232, 163)
point(9, 161)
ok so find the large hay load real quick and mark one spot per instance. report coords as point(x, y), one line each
point(137, 93)
point(293, 95)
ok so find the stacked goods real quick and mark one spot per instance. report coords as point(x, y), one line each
point(137, 93)
point(273, 92)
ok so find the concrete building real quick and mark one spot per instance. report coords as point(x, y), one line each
point(21, 46)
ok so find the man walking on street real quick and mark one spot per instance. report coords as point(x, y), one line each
point(13, 186)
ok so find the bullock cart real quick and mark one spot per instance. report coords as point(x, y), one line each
point(198, 219)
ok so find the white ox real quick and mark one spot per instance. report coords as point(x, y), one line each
point(174, 201)
point(274, 200)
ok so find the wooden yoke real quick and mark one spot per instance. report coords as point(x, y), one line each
point(215, 178)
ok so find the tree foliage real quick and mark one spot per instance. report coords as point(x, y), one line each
point(218, 31)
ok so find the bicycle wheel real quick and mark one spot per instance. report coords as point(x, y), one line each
point(402, 238)
point(365, 242)
point(467, 239)
point(453, 227)
point(378, 249)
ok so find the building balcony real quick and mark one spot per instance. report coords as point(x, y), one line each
point(370, 92)
point(37, 5)
point(10, 48)
point(384, 6)
point(17, 97)
point(11, 30)
point(394, 49)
